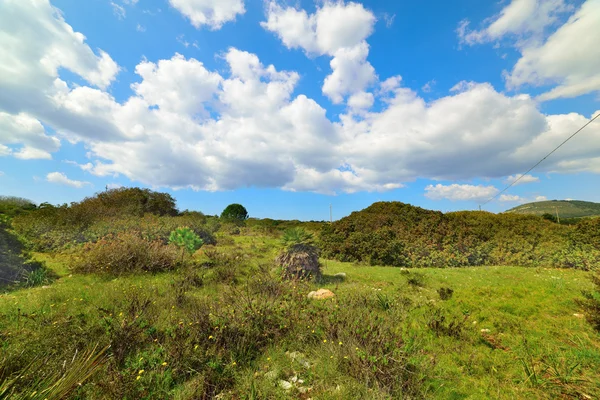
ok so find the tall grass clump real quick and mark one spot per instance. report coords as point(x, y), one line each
point(126, 252)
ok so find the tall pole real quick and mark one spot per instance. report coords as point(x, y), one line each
point(330, 214)
point(557, 217)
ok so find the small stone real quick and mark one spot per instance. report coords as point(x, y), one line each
point(271, 375)
point(485, 331)
point(321, 294)
point(578, 315)
point(285, 385)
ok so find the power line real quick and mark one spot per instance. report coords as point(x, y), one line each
point(539, 162)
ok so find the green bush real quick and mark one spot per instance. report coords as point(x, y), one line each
point(397, 234)
point(126, 252)
point(186, 240)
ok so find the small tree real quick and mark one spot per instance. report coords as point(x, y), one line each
point(235, 213)
point(186, 239)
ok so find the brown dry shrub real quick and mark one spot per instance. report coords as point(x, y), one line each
point(126, 252)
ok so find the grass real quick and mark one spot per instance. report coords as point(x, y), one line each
point(505, 332)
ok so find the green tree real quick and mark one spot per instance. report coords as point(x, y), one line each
point(235, 213)
point(185, 239)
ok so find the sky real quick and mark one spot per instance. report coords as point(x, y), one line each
point(290, 107)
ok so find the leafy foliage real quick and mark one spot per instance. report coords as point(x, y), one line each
point(235, 213)
point(397, 234)
point(295, 236)
point(186, 240)
point(126, 252)
point(591, 303)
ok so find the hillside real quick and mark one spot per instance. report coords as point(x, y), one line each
point(566, 208)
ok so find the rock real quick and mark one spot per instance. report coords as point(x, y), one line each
point(271, 375)
point(578, 315)
point(299, 357)
point(340, 276)
point(321, 294)
point(285, 385)
point(485, 331)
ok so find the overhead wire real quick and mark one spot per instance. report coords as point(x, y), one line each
point(539, 162)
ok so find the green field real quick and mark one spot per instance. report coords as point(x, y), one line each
point(505, 333)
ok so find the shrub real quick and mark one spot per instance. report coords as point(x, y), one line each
point(445, 293)
point(591, 303)
point(126, 252)
point(186, 240)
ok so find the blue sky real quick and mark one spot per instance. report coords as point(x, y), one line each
point(290, 106)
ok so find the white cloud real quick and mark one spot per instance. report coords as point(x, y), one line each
point(361, 101)
point(212, 13)
point(540, 198)
point(567, 57)
point(186, 126)
point(351, 73)
point(524, 179)
point(118, 10)
point(22, 129)
point(61, 179)
point(570, 57)
point(337, 29)
point(523, 19)
point(460, 192)
point(177, 85)
point(511, 198)
point(140, 28)
point(1, 173)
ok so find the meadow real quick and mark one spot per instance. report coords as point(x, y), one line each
point(222, 321)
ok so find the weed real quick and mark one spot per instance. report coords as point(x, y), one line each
point(445, 293)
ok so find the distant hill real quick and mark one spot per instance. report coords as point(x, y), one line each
point(566, 208)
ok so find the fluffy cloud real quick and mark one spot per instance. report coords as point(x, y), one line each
point(522, 179)
point(460, 192)
point(26, 131)
point(336, 29)
point(61, 179)
point(511, 198)
point(213, 13)
point(187, 126)
point(570, 57)
point(524, 19)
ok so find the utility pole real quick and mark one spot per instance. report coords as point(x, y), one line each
point(557, 217)
point(480, 207)
point(330, 214)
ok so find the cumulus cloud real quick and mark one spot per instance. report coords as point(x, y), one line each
point(62, 179)
point(337, 29)
point(522, 179)
point(185, 126)
point(523, 19)
point(511, 198)
point(566, 57)
point(569, 58)
point(212, 13)
point(25, 131)
point(460, 192)
point(118, 10)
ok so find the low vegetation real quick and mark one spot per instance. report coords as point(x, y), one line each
point(401, 235)
point(163, 304)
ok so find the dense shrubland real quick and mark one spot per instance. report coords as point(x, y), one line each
point(399, 234)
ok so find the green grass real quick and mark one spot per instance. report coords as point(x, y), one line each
point(505, 333)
